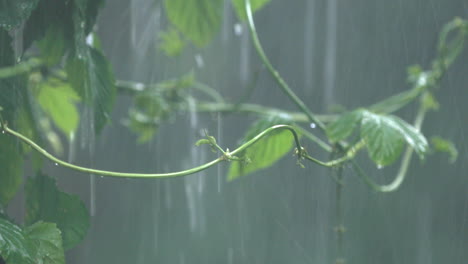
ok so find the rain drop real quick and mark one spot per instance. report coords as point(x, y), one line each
point(238, 29)
point(199, 60)
point(313, 125)
point(56, 164)
point(380, 166)
point(3, 131)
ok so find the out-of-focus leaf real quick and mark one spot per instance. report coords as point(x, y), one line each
point(13, 244)
point(202, 141)
point(344, 126)
point(92, 78)
point(442, 145)
point(58, 100)
point(429, 102)
point(198, 20)
point(45, 202)
point(46, 239)
point(142, 125)
point(55, 18)
point(386, 135)
point(255, 5)
point(15, 12)
point(11, 164)
point(171, 43)
point(265, 152)
point(52, 45)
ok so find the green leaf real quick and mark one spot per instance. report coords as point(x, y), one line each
point(11, 168)
point(265, 152)
point(171, 43)
point(52, 45)
point(385, 137)
point(15, 12)
point(54, 19)
point(344, 126)
point(45, 202)
point(198, 20)
point(442, 145)
point(47, 241)
point(255, 5)
point(58, 100)
point(92, 78)
point(13, 244)
point(202, 141)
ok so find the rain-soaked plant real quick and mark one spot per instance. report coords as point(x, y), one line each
point(61, 68)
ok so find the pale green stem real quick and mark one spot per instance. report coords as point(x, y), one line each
point(284, 86)
point(258, 109)
point(20, 68)
point(227, 156)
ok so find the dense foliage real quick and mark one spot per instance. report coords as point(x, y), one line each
point(61, 69)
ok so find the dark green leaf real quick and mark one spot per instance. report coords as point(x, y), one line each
point(56, 14)
point(198, 20)
point(265, 152)
point(92, 78)
point(13, 244)
point(255, 5)
point(15, 12)
point(344, 126)
point(447, 146)
point(11, 168)
point(171, 43)
point(52, 45)
point(47, 241)
point(58, 100)
point(45, 202)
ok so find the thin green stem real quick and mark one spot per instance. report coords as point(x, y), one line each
point(315, 139)
point(350, 154)
point(20, 68)
point(284, 86)
point(209, 91)
point(258, 109)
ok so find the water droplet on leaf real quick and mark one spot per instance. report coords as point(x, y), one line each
point(313, 125)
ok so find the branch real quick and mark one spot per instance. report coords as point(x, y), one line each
point(283, 85)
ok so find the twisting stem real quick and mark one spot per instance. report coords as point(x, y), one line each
point(284, 86)
point(227, 156)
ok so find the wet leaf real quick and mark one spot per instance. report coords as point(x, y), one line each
point(443, 145)
point(266, 151)
point(15, 12)
point(385, 137)
point(58, 100)
point(13, 244)
point(46, 239)
point(255, 5)
point(92, 78)
point(198, 20)
point(44, 201)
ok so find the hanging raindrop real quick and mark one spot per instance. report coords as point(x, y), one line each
point(313, 125)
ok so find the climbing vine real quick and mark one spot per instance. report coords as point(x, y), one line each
point(61, 68)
